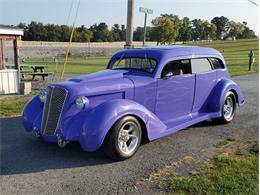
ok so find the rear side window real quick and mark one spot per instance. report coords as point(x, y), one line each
point(216, 63)
point(200, 65)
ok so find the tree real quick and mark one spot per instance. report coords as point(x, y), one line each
point(247, 33)
point(198, 29)
point(101, 32)
point(234, 29)
point(138, 34)
point(116, 32)
point(185, 31)
point(221, 24)
point(164, 30)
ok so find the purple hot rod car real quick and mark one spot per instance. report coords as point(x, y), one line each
point(144, 93)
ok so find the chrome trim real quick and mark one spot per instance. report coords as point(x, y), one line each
point(44, 126)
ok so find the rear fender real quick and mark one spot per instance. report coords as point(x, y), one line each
point(99, 120)
point(218, 94)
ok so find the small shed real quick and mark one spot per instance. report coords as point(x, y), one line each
point(9, 75)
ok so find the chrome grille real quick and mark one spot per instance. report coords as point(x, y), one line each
point(52, 109)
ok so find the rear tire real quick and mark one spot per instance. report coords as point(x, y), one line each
point(228, 108)
point(123, 139)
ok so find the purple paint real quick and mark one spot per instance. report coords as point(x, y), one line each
point(164, 105)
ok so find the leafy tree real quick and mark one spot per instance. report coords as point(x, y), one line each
point(116, 32)
point(198, 29)
point(234, 29)
point(221, 24)
point(164, 30)
point(185, 31)
point(138, 34)
point(101, 32)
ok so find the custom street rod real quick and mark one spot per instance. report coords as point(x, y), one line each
point(144, 93)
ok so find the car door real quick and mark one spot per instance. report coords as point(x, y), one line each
point(205, 82)
point(175, 91)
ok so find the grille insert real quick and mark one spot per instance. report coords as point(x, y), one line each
point(53, 109)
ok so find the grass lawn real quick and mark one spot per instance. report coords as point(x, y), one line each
point(12, 106)
point(226, 173)
point(223, 174)
point(235, 53)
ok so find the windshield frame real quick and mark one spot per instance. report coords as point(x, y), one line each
point(110, 64)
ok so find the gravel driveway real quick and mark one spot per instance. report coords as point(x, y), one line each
point(30, 166)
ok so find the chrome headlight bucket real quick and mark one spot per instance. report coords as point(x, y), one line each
point(43, 95)
point(81, 102)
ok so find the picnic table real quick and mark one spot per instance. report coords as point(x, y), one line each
point(36, 70)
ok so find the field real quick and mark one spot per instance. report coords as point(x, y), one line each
point(235, 53)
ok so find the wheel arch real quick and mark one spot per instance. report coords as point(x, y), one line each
point(99, 121)
point(217, 96)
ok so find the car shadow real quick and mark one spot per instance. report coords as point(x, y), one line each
point(22, 152)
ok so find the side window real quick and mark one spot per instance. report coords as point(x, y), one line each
point(200, 65)
point(216, 63)
point(177, 67)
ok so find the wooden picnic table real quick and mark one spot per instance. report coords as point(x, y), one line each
point(37, 70)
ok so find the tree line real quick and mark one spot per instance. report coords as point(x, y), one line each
point(165, 29)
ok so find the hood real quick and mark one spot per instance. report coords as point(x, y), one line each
point(101, 75)
point(102, 82)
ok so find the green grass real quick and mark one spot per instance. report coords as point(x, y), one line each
point(235, 53)
point(242, 70)
point(224, 142)
point(12, 106)
point(223, 174)
point(75, 65)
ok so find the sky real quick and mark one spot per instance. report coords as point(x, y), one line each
point(12, 12)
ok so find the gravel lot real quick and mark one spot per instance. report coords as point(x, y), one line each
point(30, 166)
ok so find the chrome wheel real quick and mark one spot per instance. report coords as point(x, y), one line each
point(228, 108)
point(128, 138)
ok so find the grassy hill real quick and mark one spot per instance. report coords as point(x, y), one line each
point(235, 53)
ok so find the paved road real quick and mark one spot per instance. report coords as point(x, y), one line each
point(29, 166)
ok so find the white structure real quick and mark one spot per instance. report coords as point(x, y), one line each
point(9, 78)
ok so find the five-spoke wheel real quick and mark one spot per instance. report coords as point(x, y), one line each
point(228, 108)
point(123, 139)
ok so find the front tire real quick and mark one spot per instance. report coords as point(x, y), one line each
point(123, 139)
point(228, 108)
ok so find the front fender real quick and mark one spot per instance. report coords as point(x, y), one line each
point(99, 120)
point(32, 111)
point(218, 94)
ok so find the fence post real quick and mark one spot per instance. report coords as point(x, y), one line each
point(251, 60)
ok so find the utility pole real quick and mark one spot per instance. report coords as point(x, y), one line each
point(130, 24)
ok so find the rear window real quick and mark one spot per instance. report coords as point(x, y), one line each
point(200, 65)
point(216, 63)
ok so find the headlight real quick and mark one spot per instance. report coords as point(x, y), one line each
point(81, 102)
point(43, 95)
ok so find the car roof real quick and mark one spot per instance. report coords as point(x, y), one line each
point(159, 52)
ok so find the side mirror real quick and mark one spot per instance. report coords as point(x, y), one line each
point(168, 75)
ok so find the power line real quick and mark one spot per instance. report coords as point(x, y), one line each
point(253, 3)
point(71, 5)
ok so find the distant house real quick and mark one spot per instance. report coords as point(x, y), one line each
point(9, 74)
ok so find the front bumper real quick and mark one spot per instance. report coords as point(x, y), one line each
point(70, 128)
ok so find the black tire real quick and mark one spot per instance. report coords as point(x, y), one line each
point(111, 146)
point(228, 118)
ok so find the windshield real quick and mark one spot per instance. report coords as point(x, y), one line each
point(135, 63)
